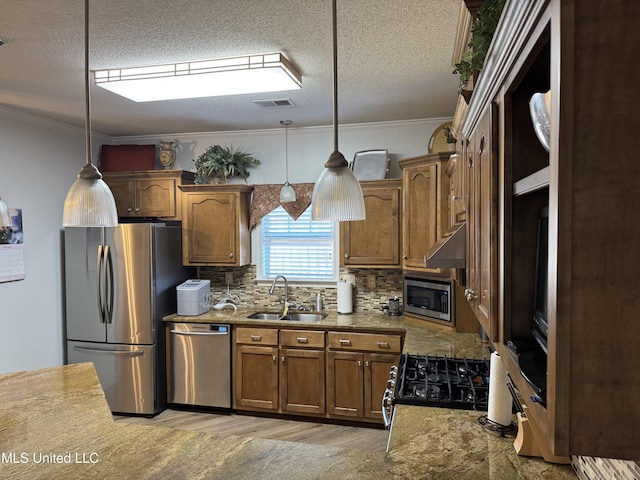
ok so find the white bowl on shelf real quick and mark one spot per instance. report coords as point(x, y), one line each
point(540, 109)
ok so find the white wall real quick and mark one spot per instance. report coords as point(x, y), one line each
point(39, 160)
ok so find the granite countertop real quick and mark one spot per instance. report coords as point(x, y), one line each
point(55, 423)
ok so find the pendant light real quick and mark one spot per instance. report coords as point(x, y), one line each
point(337, 194)
point(287, 193)
point(89, 202)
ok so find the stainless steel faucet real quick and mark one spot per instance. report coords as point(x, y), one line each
point(286, 289)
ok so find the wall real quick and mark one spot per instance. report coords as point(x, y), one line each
point(39, 161)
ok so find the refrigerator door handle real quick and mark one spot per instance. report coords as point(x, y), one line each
point(109, 287)
point(124, 353)
point(100, 275)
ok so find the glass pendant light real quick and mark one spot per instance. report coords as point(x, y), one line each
point(287, 193)
point(337, 194)
point(89, 202)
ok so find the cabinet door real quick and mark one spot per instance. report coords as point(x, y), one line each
point(482, 224)
point(345, 384)
point(375, 241)
point(124, 193)
point(210, 229)
point(156, 197)
point(376, 376)
point(302, 382)
point(256, 377)
point(419, 217)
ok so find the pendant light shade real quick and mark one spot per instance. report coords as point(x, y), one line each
point(89, 202)
point(287, 193)
point(337, 194)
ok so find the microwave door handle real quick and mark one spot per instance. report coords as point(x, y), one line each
point(109, 284)
point(100, 280)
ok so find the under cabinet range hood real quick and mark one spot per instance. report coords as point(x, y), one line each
point(450, 250)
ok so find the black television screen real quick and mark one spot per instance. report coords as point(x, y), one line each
point(540, 325)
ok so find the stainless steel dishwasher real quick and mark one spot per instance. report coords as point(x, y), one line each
point(200, 365)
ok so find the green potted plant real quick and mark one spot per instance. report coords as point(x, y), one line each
point(221, 163)
point(482, 30)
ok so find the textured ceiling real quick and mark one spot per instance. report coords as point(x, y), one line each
point(394, 59)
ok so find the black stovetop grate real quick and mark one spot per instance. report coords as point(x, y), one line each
point(459, 383)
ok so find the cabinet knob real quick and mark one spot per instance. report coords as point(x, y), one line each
point(231, 255)
point(455, 198)
point(275, 358)
point(346, 255)
point(404, 257)
point(129, 209)
point(137, 209)
point(366, 364)
point(283, 357)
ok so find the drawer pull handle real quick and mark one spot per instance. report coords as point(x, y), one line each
point(383, 344)
point(302, 339)
point(345, 342)
point(256, 338)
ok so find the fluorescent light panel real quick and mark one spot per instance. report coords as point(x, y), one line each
point(270, 72)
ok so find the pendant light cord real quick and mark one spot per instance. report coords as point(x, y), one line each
point(87, 119)
point(286, 153)
point(335, 77)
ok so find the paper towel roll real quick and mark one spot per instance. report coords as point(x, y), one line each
point(500, 401)
point(345, 297)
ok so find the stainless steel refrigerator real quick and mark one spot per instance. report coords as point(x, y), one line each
point(119, 283)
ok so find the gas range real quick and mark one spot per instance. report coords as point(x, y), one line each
point(459, 383)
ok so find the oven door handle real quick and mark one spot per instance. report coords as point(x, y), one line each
point(387, 407)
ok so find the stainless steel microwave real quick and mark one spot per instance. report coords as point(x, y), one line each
point(428, 298)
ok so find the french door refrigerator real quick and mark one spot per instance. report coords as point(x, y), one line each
point(120, 282)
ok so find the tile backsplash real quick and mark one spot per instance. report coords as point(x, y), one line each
point(388, 284)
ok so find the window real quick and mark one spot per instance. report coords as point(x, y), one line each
point(300, 250)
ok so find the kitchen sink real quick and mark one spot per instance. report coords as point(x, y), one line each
point(292, 316)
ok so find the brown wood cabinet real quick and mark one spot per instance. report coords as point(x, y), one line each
point(588, 178)
point(149, 193)
point(375, 241)
point(342, 377)
point(425, 208)
point(302, 372)
point(358, 367)
point(482, 232)
point(256, 368)
point(215, 228)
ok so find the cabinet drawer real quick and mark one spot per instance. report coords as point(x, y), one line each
point(302, 338)
point(370, 342)
point(257, 336)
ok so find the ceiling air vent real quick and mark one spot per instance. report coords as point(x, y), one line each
point(281, 102)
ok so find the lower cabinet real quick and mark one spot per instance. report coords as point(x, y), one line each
point(358, 367)
point(315, 373)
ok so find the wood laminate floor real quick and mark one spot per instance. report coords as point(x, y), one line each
point(358, 438)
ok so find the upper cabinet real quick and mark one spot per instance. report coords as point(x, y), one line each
point(215, 225)
point(375, 241)
point(149, 193)
point(562, 221)
point(425, 208)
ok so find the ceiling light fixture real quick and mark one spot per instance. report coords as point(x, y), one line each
point(89, 202)
point(287, 193)
point(337, 194)
point(271, 72)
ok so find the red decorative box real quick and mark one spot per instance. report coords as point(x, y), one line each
point(127, 158)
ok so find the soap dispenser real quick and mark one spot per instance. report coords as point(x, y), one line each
point(319, 302)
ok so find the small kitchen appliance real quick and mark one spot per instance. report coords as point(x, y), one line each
point(193, 297)
point(428, 298)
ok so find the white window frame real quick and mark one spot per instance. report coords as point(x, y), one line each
point(257, 251)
